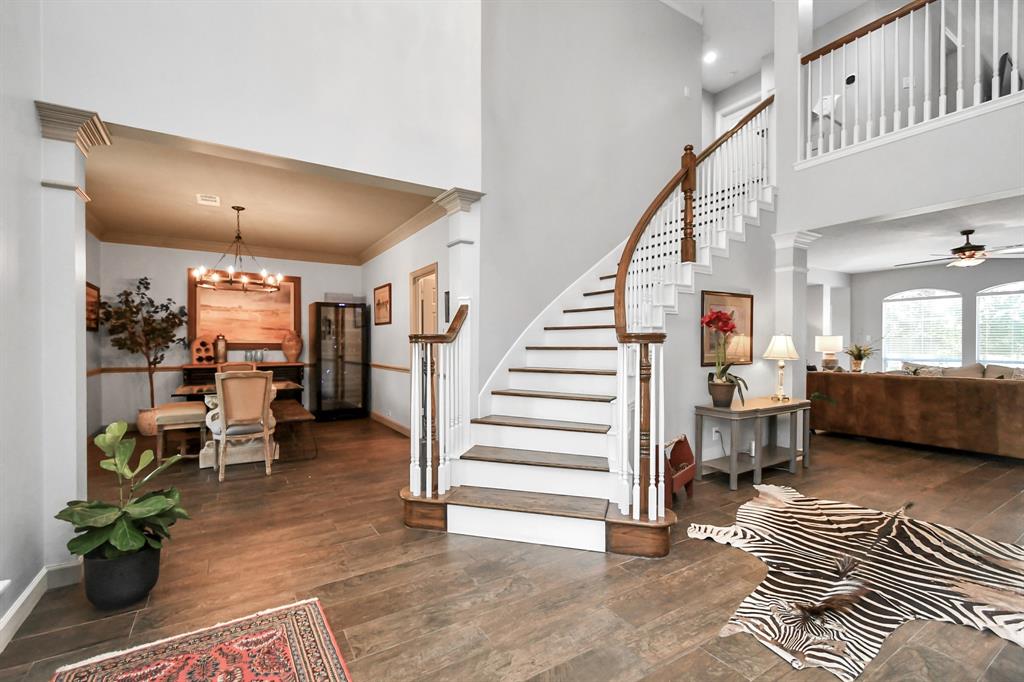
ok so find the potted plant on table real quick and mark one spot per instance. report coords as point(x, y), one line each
point(120, 543)
point(858, 354)
point(138, 324)
point(722, 383)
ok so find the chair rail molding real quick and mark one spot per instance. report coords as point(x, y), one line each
point(67, 124)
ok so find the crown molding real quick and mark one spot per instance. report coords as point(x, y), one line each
point(84, 128)
point(797, 240)
point(169, 242)
point(427, 216)
point(458, 199)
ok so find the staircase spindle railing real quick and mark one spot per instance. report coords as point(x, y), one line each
point(694, 213)
point(439, 406)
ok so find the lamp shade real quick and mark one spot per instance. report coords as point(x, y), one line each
point(739, 346)
point(828, 344)
point(781, 348)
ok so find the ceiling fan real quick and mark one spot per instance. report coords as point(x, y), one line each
point(969, 254)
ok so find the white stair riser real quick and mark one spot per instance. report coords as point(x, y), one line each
point(571, 442)
point(534, 479)
point(563, 383)
point(540, 529)
point(579, 337)
point(585, 359)
point(547, 408)
point(588, 317)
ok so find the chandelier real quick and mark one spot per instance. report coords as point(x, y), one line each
point(235, 275)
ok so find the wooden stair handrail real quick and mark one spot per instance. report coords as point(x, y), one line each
point(685, 176)
point(449, 336)
point(865, 29)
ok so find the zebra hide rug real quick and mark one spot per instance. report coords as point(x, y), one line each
point(841, 578)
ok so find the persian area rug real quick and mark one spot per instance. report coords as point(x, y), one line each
point(841, 578)
point(287, 644)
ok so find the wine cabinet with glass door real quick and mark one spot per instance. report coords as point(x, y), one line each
point(340, 355)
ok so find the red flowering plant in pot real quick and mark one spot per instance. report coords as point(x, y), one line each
point(722, 383)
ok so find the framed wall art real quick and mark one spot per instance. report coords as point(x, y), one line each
point(382, 304)
point(92, 307)
point(740, 348)
point(250, 320)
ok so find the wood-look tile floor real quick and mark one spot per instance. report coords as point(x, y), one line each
point(409, 604)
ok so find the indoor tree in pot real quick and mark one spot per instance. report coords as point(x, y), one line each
point(138, 324)
point(722, 383)
point(858, 354)
point(120, 543)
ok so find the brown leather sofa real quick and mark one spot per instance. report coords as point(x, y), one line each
point(977, 415)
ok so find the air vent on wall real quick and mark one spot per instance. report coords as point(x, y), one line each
point(208, 200)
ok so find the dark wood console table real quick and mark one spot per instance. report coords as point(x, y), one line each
point(765, 455)
point(288, 377)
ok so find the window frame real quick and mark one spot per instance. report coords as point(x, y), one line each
point(934, 294)
point(1015, 288)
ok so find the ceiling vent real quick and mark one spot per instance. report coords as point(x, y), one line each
point(208, 200)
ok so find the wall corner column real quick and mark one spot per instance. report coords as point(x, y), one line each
point(463, 209)
point(791, 302)
point(68, 135)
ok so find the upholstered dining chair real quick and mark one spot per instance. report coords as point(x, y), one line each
point(236, 367)
point(240, 413)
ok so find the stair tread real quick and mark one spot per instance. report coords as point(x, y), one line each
point(535, 423)
point(563, 327)
point(589, 310)
point(604, 277)
point(560, 460)
point(553, 395)
point(599, 292)
point(590, 508)
point(565, 370)
point(571, 348)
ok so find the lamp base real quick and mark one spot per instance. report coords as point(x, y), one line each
point(782, 398)
point(829, 363)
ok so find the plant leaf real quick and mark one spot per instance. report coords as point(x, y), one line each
point(96, 515)
point(109, 465)
point(126, 537)
point(167, 462)
point(145, 459)
point(90, 540)
point(150, 506)
point(153, 542)
point(123, 453)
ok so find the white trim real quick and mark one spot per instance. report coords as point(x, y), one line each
point(111, 654)
point(933, 124)
point(47, 578)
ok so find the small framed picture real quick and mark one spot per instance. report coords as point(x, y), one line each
point(92, 307)
point(382, 304)
point(740, 348)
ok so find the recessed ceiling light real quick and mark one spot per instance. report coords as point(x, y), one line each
point(710, 56)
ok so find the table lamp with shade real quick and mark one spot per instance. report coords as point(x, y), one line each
point(781, 348)
point(828, 346)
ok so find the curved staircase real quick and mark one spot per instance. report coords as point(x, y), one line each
point(563, 453)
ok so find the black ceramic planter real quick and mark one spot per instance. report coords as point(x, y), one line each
point(115, 583)
point(721, 394)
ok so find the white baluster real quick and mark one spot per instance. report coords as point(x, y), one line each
point(883, 118)
point(942, 58)
point(843, 138)
point(911, 102)
point(808, 107)
point(660, 377)
point(832, 101)
point(995, 49)
point(652, 468)
point(636, 435)
point(977, 52)
point(896, 112)
point(959, 54)
point(821, 103)
point(1015, 53)
point(428, 426)
point(622, 400)
point(414, 422)
point(927, 65)
point(856, 92)
point(871, 85)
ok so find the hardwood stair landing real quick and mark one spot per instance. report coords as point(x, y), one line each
point(552, 395)
point(540, 458)
point(533, 423)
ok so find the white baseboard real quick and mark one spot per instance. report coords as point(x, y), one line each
point(47, 578)
point(390, 423)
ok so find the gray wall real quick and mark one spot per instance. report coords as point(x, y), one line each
point(870, 288)
point(584, 120)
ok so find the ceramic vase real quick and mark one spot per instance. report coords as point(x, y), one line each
point(856, 365)
point(145, 422)
point(291, 346)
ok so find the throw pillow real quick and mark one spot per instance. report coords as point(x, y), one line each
point(996, 371)
point(1018, 374)
point(975, 371)
point(928, 372)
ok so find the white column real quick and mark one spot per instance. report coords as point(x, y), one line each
point(791, 302)
point(68, 135)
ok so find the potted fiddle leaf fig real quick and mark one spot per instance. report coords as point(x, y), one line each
point(722, 383)
point(120, 542)
point(138, 324)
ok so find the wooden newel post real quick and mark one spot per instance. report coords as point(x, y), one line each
point(645, 425)
point(688, 247)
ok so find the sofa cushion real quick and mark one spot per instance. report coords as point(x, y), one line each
point(925, 371)
point(999, 372)
point(975, 371)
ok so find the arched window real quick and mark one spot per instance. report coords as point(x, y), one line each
point(1001, 325)
point(922, 326)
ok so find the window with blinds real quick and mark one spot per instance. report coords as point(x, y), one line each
point(1001, 325)
point(923, 326)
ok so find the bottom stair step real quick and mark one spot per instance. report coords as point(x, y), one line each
point(533, 503)
point(541, 458)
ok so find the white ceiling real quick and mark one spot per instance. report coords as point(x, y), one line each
point(741, 32)
point(143, 189)
point(867, 247)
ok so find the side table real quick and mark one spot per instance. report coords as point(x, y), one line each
point(756, 410)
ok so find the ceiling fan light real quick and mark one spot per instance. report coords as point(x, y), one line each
point(965, 262)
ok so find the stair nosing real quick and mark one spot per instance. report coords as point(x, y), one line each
point(599, 292)
point(595, 309)
point(601, 464)
point(552, 395)
point(543, 424)
point(565, 370)
point(577, 327)
point(453, 499)
point(572, 348)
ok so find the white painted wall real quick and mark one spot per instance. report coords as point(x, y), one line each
point(870, 288)
point(93, 342)
point(122, 394)
point(389, 344)
point(584, 119)
point(386, 88)
point(22, 346)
